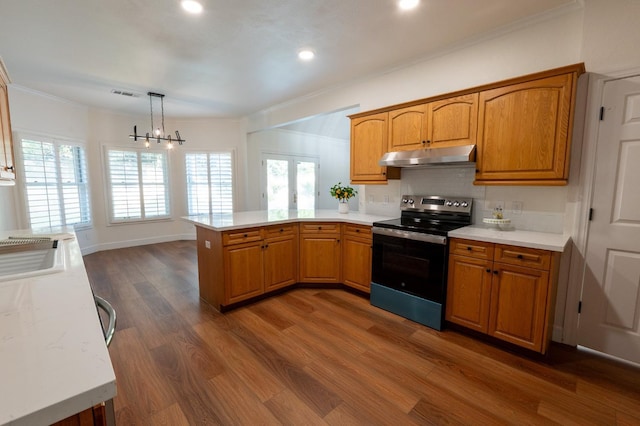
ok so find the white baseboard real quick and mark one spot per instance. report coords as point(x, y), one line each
point(133, 243)
point(557, 334)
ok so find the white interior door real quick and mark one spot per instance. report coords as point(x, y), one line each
point(610, 317)
point(289, 182)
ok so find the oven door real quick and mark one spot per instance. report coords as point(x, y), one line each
point(408, 265)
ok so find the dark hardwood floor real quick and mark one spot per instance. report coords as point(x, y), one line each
point(326, 356)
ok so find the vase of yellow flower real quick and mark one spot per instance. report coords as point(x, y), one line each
point(342, 193)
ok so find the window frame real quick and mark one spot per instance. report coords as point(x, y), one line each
point(208, 153)
point(108, 193)
point(21, 179)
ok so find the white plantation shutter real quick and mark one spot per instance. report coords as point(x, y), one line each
point(57, 191)
point(138, 185)
point(209, 182)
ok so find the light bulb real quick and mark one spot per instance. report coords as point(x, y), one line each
point(408, 4)
point(306, 55)
point(146, 143)
point(170, 146)
point(156, 132)
point(191, 6)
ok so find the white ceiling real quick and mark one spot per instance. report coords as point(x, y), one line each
point(239, 56)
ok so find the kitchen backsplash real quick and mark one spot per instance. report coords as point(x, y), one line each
point(529, 208)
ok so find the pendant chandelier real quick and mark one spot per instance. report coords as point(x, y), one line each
point(157, 134)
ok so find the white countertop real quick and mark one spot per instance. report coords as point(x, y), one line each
point(249, 219)
point(53, 358)
point(531, 239)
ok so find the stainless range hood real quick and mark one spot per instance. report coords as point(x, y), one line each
point(452, 155)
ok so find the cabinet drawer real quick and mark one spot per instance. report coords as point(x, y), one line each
point(357, 230)
point(280, 231)
point(241, 236)
point(522, 256)
point(320, 228)
point(477, 249)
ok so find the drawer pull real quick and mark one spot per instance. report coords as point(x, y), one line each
point(245, 235)
point(488, 270)
point(469, 248)
point(496, 272)
point(520, 256)
point(357, 230)
point(281, 230)
point(319, 227)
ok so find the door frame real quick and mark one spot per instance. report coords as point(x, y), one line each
point(580, 195)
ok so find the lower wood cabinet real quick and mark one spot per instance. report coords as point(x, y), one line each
point(237, 265)
point(505, 291)
point(320, 253)
point(95, 416)
point(356, 256)
point(241, 264)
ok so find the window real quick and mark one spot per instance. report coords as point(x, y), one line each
point(138, 185)
point(209, 182)
point(56, 184)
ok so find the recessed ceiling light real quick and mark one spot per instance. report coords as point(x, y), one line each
point(192, 6)
point(306, 54)
point(408, 4)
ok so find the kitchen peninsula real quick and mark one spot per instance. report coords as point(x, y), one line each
point(245, 255)
point(54, 361)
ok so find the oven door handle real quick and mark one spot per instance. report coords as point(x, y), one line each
point(410, 235)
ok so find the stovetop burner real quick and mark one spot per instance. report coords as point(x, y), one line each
point(431, 214)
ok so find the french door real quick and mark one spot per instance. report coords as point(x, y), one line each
point(289, 182)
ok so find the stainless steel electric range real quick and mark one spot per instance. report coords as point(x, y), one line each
point(410, 257)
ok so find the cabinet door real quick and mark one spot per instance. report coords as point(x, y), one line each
point(244, 271)
point(280, 262)
point(524, 132)
point(356, 263)
point(6, 145)
point(368, 144)
point(453, 121)
point(469, 292)
point(320, 259)
point(407, 128)
point(518, 305)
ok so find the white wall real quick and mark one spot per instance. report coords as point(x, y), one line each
point(42, 114)
point(332, 154)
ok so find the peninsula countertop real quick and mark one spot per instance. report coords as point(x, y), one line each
point(53, 359)
point(230, 221)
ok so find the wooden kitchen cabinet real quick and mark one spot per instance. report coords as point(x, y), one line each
point(524, 132)
point(446, 122)
point(238, 265)
point(368, 145)
point(320, 253)
point(244, 271)
point(7, 170)
point(505, 291)
point(280, 256)
point(356, 256)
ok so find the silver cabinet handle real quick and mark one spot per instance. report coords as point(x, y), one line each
point(111, 328)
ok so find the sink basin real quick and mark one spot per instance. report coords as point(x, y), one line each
point(28, 263)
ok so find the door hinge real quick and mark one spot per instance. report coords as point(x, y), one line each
point(580, 307)
point(601, 113)
point(590, 214)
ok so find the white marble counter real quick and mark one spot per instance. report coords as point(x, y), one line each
point(538, 240)
point(273, 217)
point(53, 358)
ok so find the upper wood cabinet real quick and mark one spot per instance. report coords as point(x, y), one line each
point(368, 144)
point(524, 132)
point(447, 122)
point(7, 171)
point(453, 121)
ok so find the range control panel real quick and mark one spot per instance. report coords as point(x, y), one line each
point(436, 203)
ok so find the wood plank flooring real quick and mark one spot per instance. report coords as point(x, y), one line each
point(326, 357)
